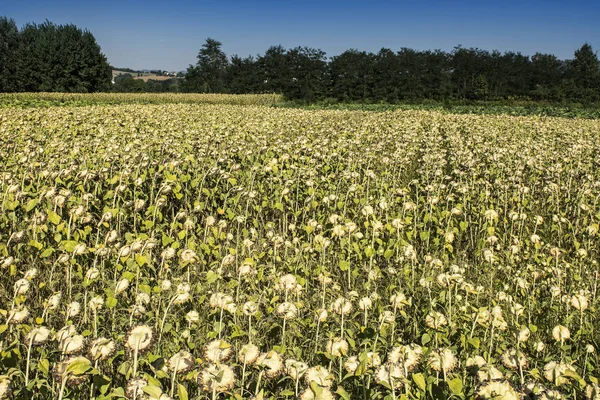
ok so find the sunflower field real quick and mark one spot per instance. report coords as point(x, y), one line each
point(240, 251)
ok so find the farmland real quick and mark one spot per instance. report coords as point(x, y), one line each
point(204, 251)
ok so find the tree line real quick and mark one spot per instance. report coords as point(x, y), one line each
point(64, 58)
point(306, 74)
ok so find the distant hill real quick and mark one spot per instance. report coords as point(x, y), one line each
point(145, 75)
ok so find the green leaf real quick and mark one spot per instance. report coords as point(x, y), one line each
point(36, 244)
point(146, 289)
point(140, 259)
point(79, 367)
point(118, 392)
point(44, 365)
point(343, 394)
point(389, 253)
point(456, 386)
point(166, 240)
point(11, 205)
point(344, 265)
point(111, 302)
point(317, 390)
point(47, 253)
point(362, 367)
point(31, 204)
point(474, 342)
point(182, 391)
point(572, 374)
point(211, 277)
point(426, 338)
point(69, 245)
point(420, 381)
point(53, 217)
point(153, 391)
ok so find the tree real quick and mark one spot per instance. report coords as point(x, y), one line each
point(274, 70)
point(208, 75)
point(242, 76)
point(308, 70)
point(352, 75)
point(9, 42)
point(585, 73)
point(60, 58)
point(470, 72)
point(547, 71)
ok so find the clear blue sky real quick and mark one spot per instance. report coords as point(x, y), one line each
point(168, 34)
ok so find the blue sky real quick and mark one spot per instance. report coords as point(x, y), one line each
point(168, 34)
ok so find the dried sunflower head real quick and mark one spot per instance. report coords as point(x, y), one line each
point(5, 387)
point(272, 364)
point(217, 351)
point(248, 354)
point(219, 378)
point(181, 362)
point(38, 335)
point(135, 389)
point(73, 369)
point(140, 338)
point(101, 349)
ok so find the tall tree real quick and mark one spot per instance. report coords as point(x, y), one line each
point(9, 42)
point(242, 75)
point(352, 75)
point(585, 72)
point(308, 69)
point(208, 75)
point(470, 72)
point(274, 70)
point(547, 71)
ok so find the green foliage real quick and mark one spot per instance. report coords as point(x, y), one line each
point(51, 58)
point(9, 41)
point(208, 75)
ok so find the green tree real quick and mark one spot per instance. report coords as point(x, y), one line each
point(60, 58)
point(547, 72)
point(208, 75)
point(352, 75)
point(308, 70)
point(243, 76)
point(585, 73)
point(9, 42)
point(274, 70)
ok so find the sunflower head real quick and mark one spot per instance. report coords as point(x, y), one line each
point(181, 362)
point(73, 369)
point(101, 349)
point(219, 378)
point(140, 338)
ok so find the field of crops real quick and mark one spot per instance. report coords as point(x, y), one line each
point(212, 251)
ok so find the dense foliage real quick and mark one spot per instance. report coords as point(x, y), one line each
point(407, 75)
point(221, 251)
point(50, 58)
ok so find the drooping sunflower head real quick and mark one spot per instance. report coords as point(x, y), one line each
point(101, 349)
point(140, 338)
